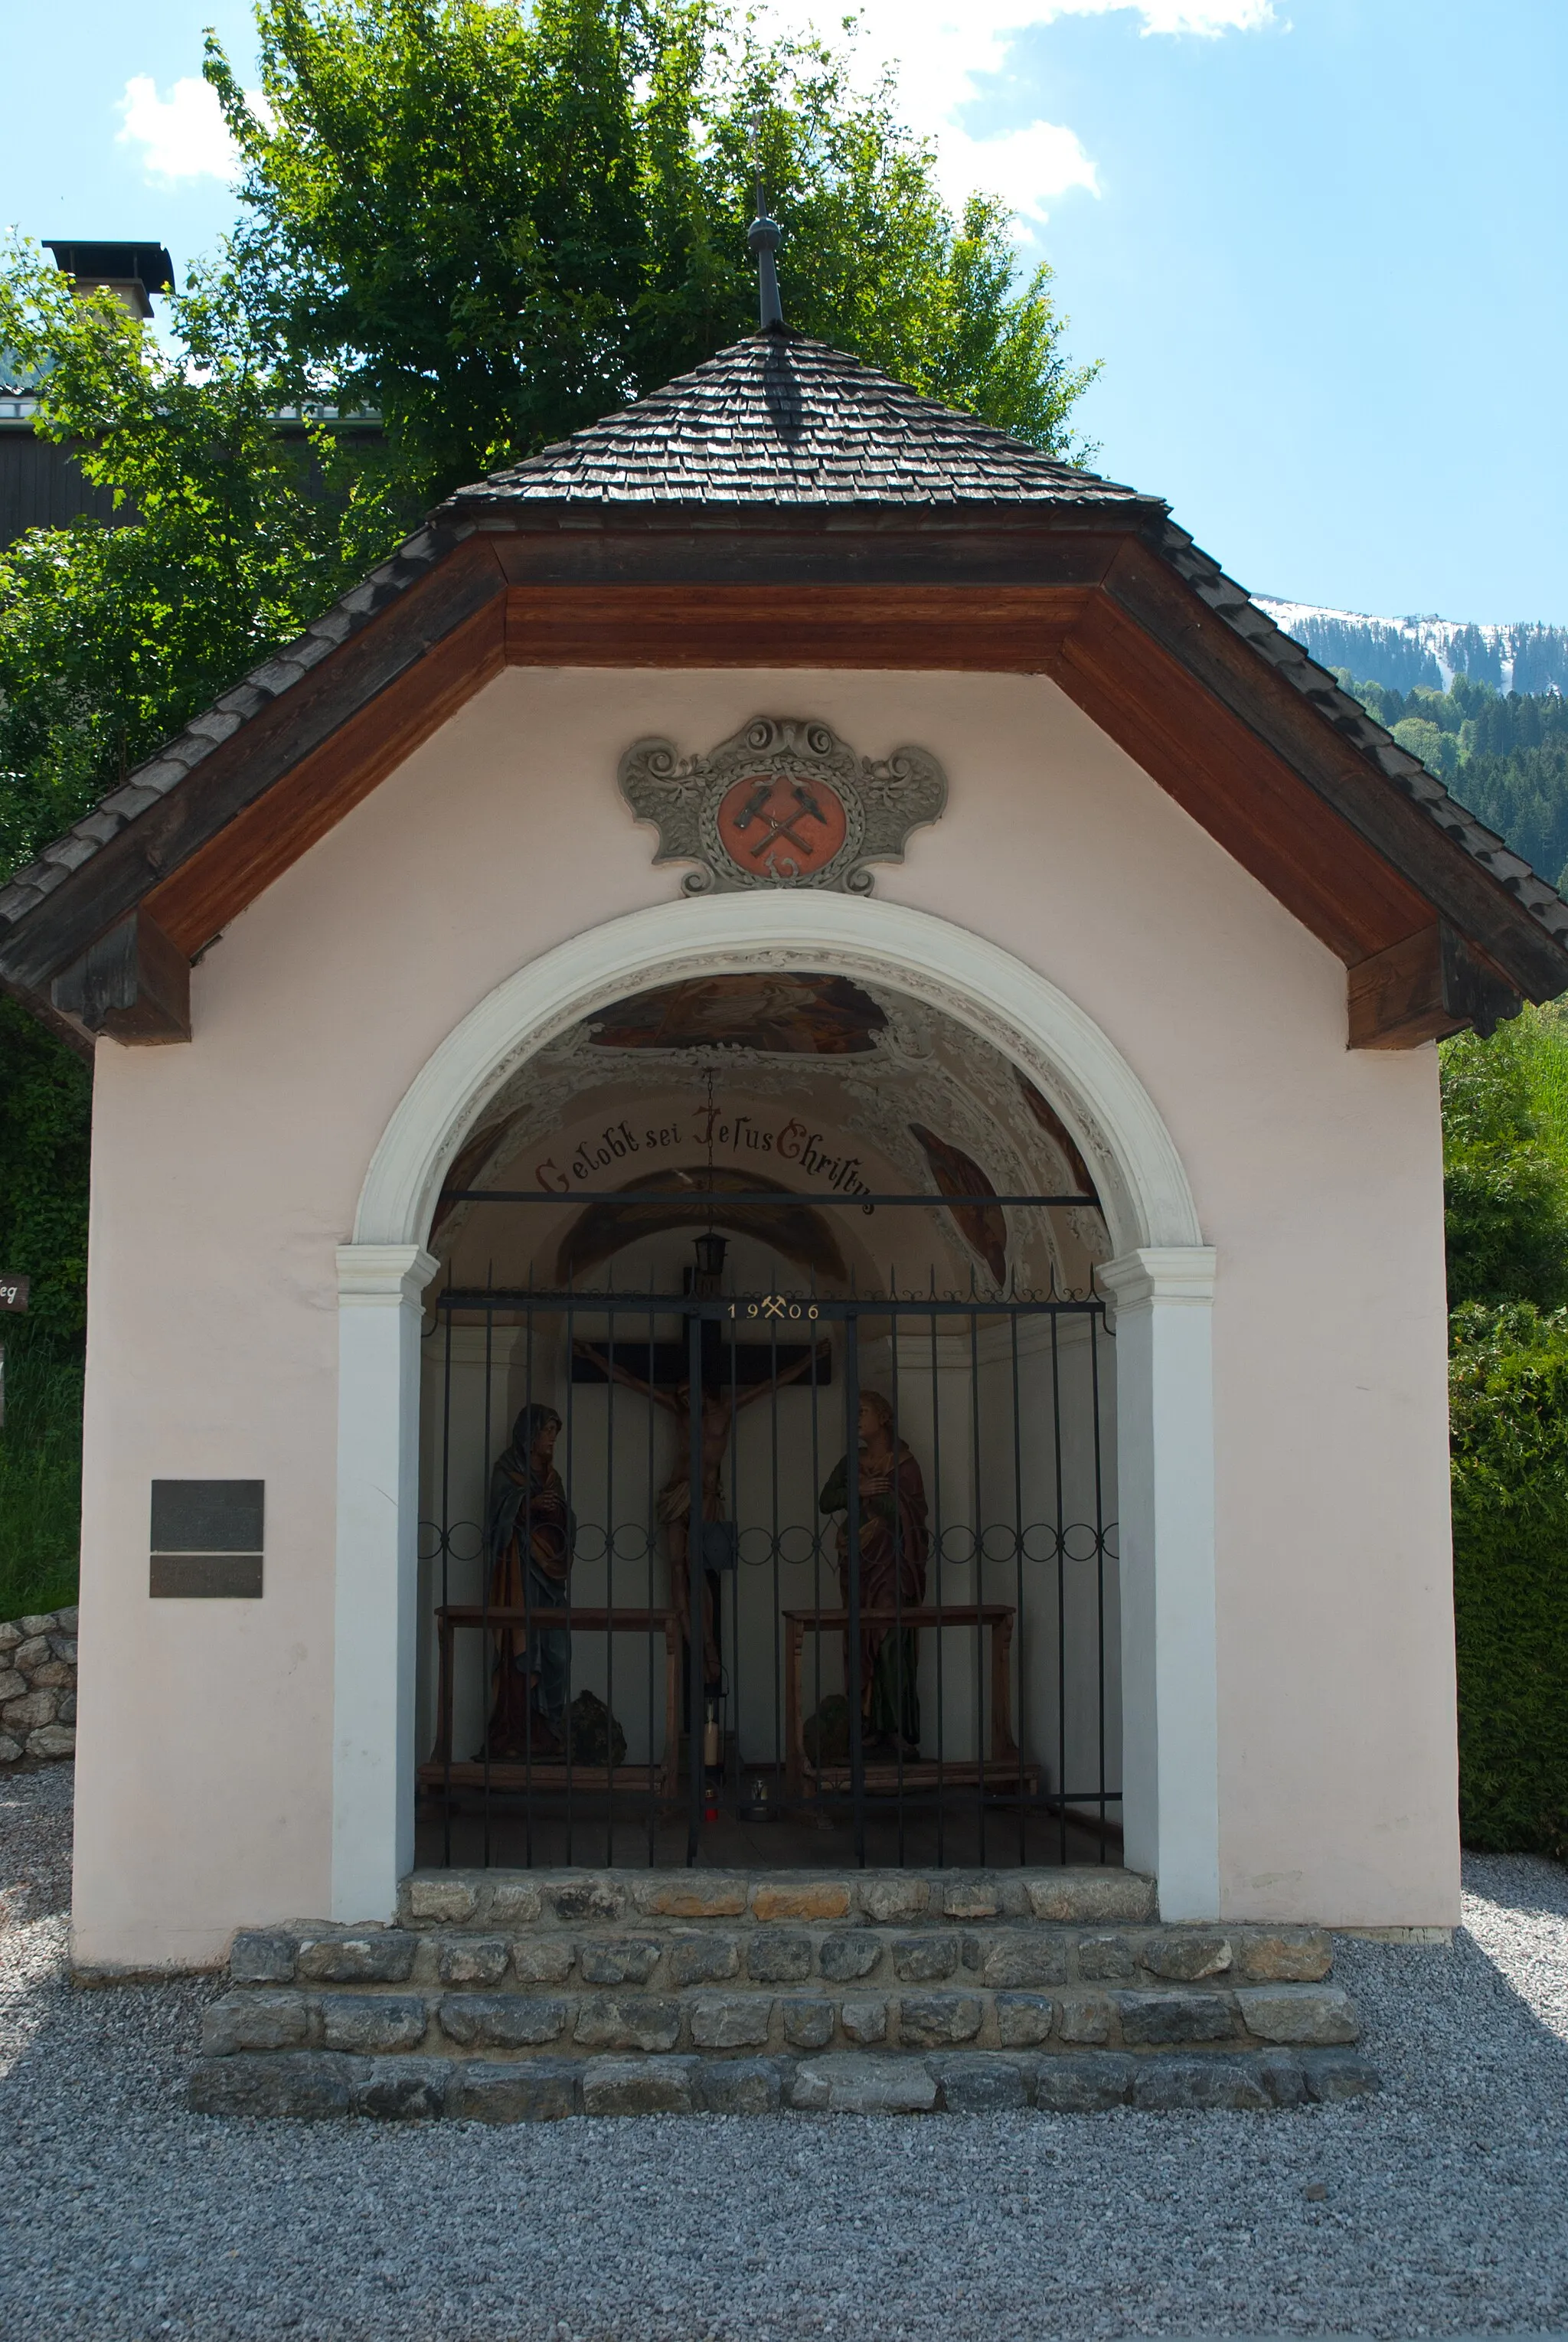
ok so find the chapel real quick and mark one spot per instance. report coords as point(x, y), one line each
point(767, 1203)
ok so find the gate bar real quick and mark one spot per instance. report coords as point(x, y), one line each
point(745, 1197)
point(696, 1587)
point(852, 1659)
point(648, 1306)
point(679, 1305)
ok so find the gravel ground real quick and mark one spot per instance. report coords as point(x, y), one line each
point(1445, 2211)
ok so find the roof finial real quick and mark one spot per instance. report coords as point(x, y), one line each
point(762, 235)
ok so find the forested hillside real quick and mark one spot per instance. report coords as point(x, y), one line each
point(1400, 652)
point(1505, 757)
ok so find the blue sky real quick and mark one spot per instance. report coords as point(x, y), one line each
point(1318, 244)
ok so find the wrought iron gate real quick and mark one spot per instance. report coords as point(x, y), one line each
point(761, 1693)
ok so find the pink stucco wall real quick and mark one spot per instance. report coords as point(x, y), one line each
point(226, 1171)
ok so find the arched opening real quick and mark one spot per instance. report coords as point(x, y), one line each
point(690, 1188)
point(1160, 1274)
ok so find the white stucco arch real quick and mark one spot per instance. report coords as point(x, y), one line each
point(1161, 1274)
point(1118, 1128)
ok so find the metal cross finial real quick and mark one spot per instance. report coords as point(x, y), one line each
point(762, 235)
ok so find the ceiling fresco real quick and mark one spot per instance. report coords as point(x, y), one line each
point(982, 1226)
point(784, 1015)
point(768, 1082)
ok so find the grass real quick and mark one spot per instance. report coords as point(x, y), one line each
point(40, 1478)
point(1548, 1070)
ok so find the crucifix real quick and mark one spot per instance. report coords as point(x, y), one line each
point(734, 1376)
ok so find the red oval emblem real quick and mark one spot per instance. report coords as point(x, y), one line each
point(782, 829)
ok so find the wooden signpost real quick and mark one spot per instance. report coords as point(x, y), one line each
point(14, 1291)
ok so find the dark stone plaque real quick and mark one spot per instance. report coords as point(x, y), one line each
point(224, 1576)
point(207, 1539)
point(207, 1516)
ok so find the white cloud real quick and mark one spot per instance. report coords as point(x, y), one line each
point(940, 47)
point(1025, 167)
point(1205, 16)
point(183, 136)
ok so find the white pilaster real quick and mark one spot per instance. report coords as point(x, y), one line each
point(1165, 1442)
point(375, 1592)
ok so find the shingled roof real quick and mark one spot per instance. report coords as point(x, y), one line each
point(1328, 697)
point(779, 419)
point(879, 527)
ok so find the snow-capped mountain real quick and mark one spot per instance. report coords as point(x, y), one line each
point(1400, 652)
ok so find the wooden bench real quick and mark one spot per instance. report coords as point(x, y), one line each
point(1001, 1767)
point(444, 1771)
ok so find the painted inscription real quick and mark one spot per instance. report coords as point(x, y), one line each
point(727, 1131)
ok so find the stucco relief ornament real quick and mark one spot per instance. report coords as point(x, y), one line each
point(782, 803)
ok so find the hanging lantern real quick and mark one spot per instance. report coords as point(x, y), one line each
point(710, 1248)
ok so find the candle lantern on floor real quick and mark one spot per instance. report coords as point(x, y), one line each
point(712, 1753)
point(761, 1805)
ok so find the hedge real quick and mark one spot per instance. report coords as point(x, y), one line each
point(1509, 1402)
point(46, 1096)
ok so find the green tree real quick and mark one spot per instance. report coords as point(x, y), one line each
point(1505, 1152)
point(495, 223)
point(43, 1101)
point(43, 1113)
point(1421, 738)
point(1506, 1163)
point(492, 224)
point(112, 637)
point(1509, 1416)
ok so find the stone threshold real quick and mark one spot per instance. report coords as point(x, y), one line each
point(1443, 1936)
point(1085, 1895)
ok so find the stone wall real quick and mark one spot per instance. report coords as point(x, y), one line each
point(38, 1685)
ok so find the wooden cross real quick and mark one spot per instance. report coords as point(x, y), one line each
point(740, 1365)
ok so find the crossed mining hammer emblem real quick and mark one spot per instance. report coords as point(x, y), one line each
point(799, 825)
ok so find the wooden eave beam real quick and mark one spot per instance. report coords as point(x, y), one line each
point(1261, 769)
point(665, 551)
point(994, 629)
point(166, 840)
point(1334, 770)
point(1248, 798)
point(267, 836)
point(133, 984)
point(1430, 985)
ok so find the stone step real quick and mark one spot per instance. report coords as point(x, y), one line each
point(515, 1900)
point(742, 1953)
point(507, 1996)
point(580, 2021)
point(319, 2084)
